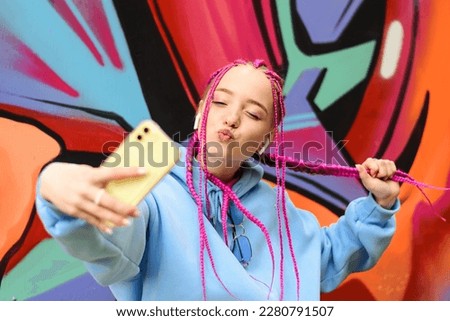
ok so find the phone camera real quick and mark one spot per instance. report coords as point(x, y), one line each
point(146, 130)
point(139, 137)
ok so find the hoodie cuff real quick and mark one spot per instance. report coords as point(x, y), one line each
point(367, 210)
point(394, 208)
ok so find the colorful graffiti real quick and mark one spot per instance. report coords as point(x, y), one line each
point(363, 78)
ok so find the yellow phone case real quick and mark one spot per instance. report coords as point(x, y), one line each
point(146, 146)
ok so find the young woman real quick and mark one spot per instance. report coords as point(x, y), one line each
point(212, 229)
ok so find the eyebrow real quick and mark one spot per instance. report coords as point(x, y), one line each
point(251, 101)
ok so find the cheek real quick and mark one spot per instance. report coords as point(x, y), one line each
point(213, 120)
point(210, 122)
point(253, 142)
point(259, 132)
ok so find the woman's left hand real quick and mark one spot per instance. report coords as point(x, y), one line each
point(376, 176)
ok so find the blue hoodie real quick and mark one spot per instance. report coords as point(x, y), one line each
point(157, 256)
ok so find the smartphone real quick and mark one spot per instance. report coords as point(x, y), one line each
point(146, 146)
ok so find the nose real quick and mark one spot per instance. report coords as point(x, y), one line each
point(232, 119)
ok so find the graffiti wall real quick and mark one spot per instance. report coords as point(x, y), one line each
point(363, 79)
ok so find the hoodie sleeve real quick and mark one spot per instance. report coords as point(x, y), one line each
point(356, 241)
point(109, 258)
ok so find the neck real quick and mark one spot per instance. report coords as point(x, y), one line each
point(225, 173)
point(223, 170)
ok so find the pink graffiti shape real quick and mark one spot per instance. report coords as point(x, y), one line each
point(30, 64)
point(95, 16)
point(66, 13)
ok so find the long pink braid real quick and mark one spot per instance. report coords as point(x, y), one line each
point(279, 205)
point(279, 111)
point(299, 165)
point(224, 216)
point(214, 81)
point(204, 244)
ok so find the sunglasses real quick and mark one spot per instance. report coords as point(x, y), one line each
point(241, 246)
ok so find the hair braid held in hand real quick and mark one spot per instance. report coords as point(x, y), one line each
point(299, 165)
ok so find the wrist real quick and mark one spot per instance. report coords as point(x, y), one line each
point(386, 203)
point(45, 177)
point(43, 184)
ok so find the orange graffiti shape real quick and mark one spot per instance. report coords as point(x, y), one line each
point(24, 149)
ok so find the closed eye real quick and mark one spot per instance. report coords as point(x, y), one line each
point(254, 116)
point(221, 103)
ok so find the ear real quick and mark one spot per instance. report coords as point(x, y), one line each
point(200, 105)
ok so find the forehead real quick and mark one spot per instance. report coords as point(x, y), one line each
point(245, 79)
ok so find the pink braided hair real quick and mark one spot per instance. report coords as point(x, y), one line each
point(199, 138)
point(228, 195)
point(298, 165)
point(204, 244)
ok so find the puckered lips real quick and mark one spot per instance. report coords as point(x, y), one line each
point(225, 135)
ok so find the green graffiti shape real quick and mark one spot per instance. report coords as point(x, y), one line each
point(44, 268)
point(346, 68)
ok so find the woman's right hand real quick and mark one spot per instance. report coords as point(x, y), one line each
point(78, 191)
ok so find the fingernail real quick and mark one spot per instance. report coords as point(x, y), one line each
point(125, 222)
point(107, 230)
point(142, 170)
point(137, 212)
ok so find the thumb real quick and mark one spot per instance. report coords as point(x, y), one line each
point(363, 175)
point(106, 174)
